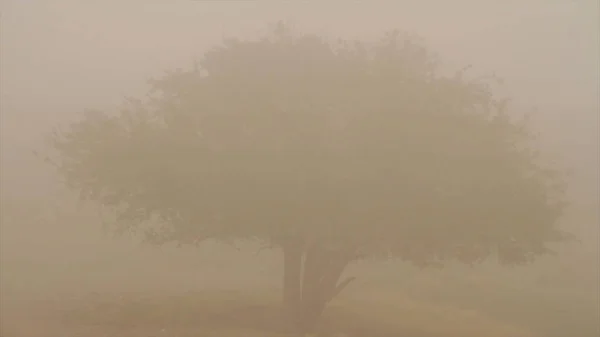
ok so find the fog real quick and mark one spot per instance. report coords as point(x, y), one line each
point(59, 58)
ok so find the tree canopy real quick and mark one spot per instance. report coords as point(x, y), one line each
point(358, 146)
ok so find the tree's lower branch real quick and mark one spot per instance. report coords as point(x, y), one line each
point(341, 286)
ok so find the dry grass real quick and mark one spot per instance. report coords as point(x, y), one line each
point(233, 314)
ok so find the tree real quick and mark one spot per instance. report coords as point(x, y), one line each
point(331, 151)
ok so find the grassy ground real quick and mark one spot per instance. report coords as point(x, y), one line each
point(169, 297)
point(549, 311)
point(243, 314)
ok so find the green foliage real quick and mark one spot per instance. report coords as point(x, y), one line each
point(366, 147)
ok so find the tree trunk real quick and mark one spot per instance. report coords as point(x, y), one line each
point(317, 283)
point(292, 276)
point(313, 289)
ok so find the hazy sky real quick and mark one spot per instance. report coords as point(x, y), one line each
point(59, 57)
